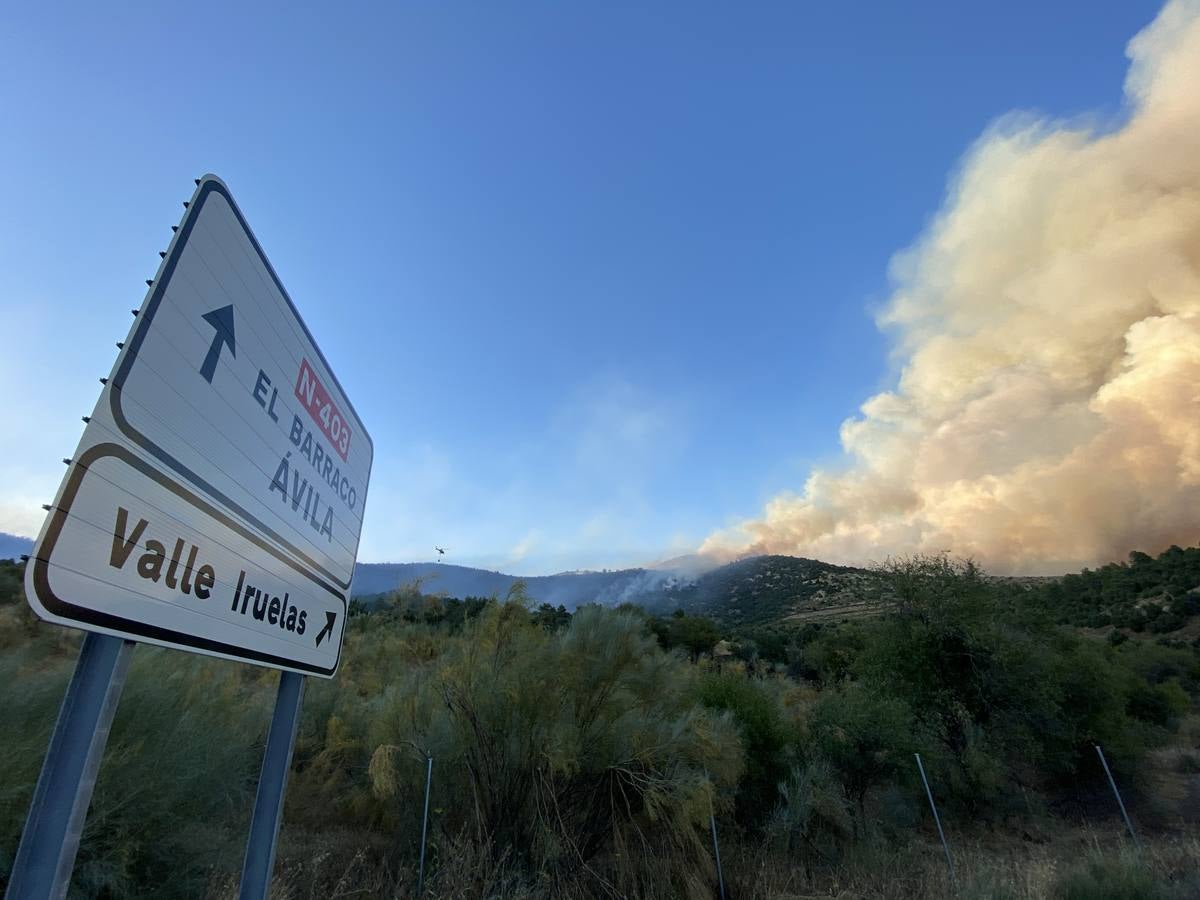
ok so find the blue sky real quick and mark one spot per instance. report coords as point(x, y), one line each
point(598, 277)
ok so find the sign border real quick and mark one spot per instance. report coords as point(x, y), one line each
point(207, 185)
point(121, 626)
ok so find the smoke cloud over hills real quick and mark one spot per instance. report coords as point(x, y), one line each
point(1047, 414)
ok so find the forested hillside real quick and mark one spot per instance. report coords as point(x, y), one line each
point(755, 591)
point(765, 590)
point(1159, 595)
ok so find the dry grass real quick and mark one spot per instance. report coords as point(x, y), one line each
point(992, 866)
point(989, 866)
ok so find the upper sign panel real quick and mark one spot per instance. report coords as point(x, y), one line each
point(222, 383)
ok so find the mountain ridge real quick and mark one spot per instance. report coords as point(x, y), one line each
point(567, 589)
point(746, 592)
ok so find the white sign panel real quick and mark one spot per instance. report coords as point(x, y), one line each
point(216, 497)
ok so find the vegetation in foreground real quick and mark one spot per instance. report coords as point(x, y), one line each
point(580, 754)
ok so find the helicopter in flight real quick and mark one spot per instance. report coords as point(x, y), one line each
point(441, 552)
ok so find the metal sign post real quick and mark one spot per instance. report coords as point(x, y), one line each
point(268, 802)
point(46, 855)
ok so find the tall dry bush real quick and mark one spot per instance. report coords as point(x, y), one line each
point(178, 771)
point(567, 750)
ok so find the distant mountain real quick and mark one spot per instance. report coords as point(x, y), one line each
point(755, 591)
point(14, 547)
point(569, 589)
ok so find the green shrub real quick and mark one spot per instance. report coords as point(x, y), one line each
point(768, 736)
point(1003, 693)
point(695, 634)
point(12, 576)
point(559, 746)
point(813, 808)
point(1157, 663)
point(177, 776)
point(867, 737)
point(1168, 622)
point(829, 657)
point(1159, 704)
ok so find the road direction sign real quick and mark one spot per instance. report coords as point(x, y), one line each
point(216, 497)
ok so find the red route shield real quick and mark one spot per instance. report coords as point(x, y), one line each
point(322, 410)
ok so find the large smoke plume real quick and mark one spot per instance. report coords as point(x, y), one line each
point(1047, 414)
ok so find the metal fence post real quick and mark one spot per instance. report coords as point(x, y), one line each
point(712, 821)
point(46, 855)
point(937, 821)
point(425, 824)
point(268, 802)
point(1113, 784)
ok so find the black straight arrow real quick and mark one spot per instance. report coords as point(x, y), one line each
point(330, 618)
point(222, 322)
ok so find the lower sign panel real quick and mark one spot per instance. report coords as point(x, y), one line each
point(119, 557)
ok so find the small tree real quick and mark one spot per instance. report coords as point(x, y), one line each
point(867, 736)
point(696, 634)
point(768, 734)
point(551, 618)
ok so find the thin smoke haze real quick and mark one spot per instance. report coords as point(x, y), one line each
point(1047, 412)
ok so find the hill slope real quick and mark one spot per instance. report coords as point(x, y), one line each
point(765, 590)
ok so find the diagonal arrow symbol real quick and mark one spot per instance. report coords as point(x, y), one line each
point(330, 618)
point(222, 322)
